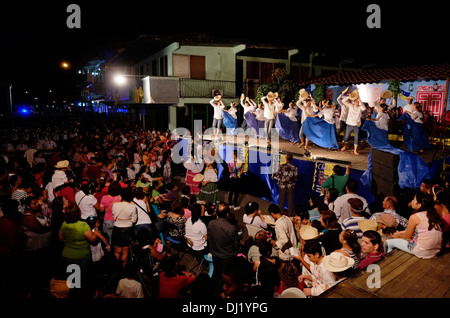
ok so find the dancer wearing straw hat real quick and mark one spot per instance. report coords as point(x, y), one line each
point(355, 108)
point(308, 106)
point(269, 112)
point(218, 105)
point(248, 105)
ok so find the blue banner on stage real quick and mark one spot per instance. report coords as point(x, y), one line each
point(320, 132)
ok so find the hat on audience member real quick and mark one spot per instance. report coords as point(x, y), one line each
point(337, 262)
point(387, 219)
point(308, 232)
point(356, 204)
point(293, 292)
point(62, 164)
point(366, 225)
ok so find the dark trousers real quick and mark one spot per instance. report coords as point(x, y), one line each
point(288, 194)
point(234, 190)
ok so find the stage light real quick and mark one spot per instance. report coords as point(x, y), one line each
point(120, 79)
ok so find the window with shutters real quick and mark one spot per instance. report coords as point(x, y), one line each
point(189, 66)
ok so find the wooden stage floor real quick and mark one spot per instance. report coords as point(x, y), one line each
point(317, 153)
point(403, 275)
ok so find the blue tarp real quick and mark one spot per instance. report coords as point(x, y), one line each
point(411, 169)
point(287, 129)
point(320, 132)
point(376, 137)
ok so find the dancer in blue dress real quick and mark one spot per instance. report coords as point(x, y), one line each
point(414, 134)
point(377, 128)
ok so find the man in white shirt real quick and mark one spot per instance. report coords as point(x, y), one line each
point(342, 208)
point(284, 232)
point(410, 107)
point(353, 121)
point(269, 115)
point(218, 105)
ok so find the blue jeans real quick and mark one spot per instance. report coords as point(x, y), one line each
point(348, 131)
point(108, 229)
point(397, 243)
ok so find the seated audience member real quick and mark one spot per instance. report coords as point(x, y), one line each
point(330, 236)
point(358, 214)
point(423, 235)
point(442, 206)
point(321, 278)
point(313, 208)
point(339, 264)
point(237, 277)
point(254, 254)
point(128, 286)
point(252, 215)
point(389, 205)
point(372, 247)
point(172, 279)
point(350, 246)
point(341, 205)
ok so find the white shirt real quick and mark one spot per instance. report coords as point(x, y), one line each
point(195, 167)
point(217, 109)
point(342, 207)
point(252, 106)
point(269, 109)
point(344, 109)
point(86, 204)
point(354, 112)
point(307, 110)
point(292, 112)
point(130, 288)
point(417, 117)
point(278, 106)
point(328, 115)
point(408, 108)
point(210, 175)
point(259, 114)
point(58, 178)
point(143, 217)
point(124, 213)
point(257, 221)
point(196, 232)
point(382, 121)
point(232, 111)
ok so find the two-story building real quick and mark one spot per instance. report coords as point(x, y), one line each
point(169, 82)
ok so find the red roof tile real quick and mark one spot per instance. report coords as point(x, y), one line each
point(407, 73)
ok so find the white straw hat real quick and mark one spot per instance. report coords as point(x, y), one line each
point(337, 262)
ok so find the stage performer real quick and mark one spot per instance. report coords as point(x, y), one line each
point(414, 134)
point(248, 105)
point(255, 120)
point(343, 115)
point(355, 108)
point(308, 106)
point(320, 128)
point(269, 113)
point(230, 118)
point(377, 128)
point(287, 123)
point(218, 106)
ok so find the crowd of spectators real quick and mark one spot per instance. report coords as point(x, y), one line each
point(106, 200)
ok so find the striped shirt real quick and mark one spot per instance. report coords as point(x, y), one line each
point(351, 224)
point(20, 196)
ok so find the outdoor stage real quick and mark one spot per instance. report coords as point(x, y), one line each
point(314, 168)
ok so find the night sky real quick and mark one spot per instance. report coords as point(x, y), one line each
point(35, 37)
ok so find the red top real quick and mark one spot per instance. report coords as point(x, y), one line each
point(170, 287)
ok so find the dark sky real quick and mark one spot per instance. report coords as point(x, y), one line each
point(35, 37)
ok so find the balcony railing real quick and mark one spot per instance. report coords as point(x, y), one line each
point(192, 88)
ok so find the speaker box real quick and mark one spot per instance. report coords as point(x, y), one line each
point(382, 187)
point(386, 159)
point(386, 173)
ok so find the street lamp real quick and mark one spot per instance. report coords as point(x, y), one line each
point(120, 79)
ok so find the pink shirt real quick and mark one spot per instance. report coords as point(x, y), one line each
point(428, 243)
point(106, 203)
